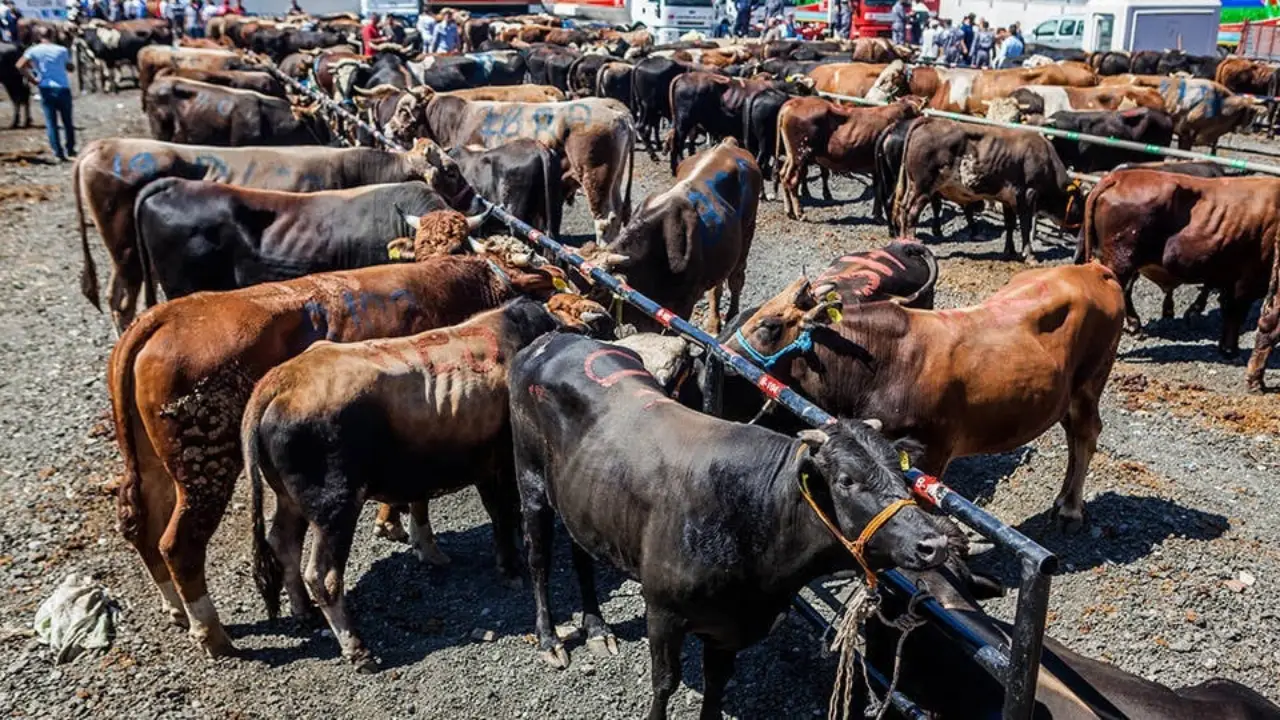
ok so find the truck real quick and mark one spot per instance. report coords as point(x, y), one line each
point(868, 18)
point(666, 19)
point(1100, 25)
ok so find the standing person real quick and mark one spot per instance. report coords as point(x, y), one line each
point(1011, 49)
point(984, 42)
point(46, 64)
point(929, 40)
point(953, 47)
point(901, 16)
point(9, 17)
point(967, 28)
point(742, 23)
point(446, 38)
point(115, 11)
point(843, 20)
point(295, 9)
point(773, 9)
point(192, 17)
point(426, 26)
point(369, 35)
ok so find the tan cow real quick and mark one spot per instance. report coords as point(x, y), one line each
point(153, 57)
point(966, 90)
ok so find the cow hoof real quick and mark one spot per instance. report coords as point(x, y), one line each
point(1068, 522)
point(218, 644)
point(1254, 386)
point(393, 531)
point(178, 618)
point(557, 657)
point(365, 664)
point(603, 645)
point(1132, 326)
point(433, 555)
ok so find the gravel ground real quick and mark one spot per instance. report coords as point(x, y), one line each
point(1178, 501)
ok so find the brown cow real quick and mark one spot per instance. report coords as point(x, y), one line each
point(1242, 75)
point(153, 57)
point(1268, 331)
point(838, 138)
point(856, 79)
point(511, 93)
point(981, 379)
point(1178, 229)
point(179, 379)
point(1045, 100)
point(261, 82)
point(348, 402)
point(969, 164)
point(596, 138)
point(689, 239)
point(109, 174)
point(965, 90)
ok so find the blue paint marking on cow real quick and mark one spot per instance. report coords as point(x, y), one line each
point(310, 183)
point(542, 119)
point(214, 163)
point(248, 171)
point(350, 301)
point(225, 106)
point(710, 219)
point(578, 114)
point(318, 317)
point(489, 126)
point(117, 166)
point(511, 122)
point(143, 165)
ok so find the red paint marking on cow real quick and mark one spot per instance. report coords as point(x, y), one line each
point(422, 344)
point(615, 376)
point(485, 364)
point(927, 488)
point(538, 392)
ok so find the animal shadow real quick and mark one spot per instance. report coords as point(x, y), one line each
point(1118, 528)
point(977, 476)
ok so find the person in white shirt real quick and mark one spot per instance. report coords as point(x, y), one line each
point(929, 40)
point(426, 26)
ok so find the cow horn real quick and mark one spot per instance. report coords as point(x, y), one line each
point(476, 246)
point(412, 220)
point(475, 221)
point(820, 310)
point(611, 260)
point(822, 290)
point(520, 260)
point(813, 438)
point(874, 424)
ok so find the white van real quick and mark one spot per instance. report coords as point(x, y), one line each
point(1064, 33)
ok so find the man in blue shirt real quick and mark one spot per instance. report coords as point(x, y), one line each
point(901, 16)
point(46, 64)
point(446, 38)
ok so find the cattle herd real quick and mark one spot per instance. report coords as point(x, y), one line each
point(349, 324)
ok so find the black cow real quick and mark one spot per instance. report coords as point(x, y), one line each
point(109, 48)
point(549, 65)
point(15, 85)
point(760, 128)
point(196, 235)
point(716, 104)
point(1070, 684)
point(1142, 125)
point(583, 72)
point(1201, 66)
point(522, 176)
point(1145, 62)
point(614, 82)
point(888, 164)
point(651, 97)
point(720, 539)
point(499, 67)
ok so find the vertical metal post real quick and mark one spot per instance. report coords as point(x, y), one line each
point(1028, 640)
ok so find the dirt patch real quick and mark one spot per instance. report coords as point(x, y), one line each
point(1245, 414)
point(24, 157)
point(26, 193)
point(977, 279)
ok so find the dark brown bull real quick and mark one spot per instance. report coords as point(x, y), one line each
point(179, 379)
point(261, 82)
point(1177, 230)
point(969, 164)
point(982, 379)
point(348, 403)
point(198, 113)
point(838, 138)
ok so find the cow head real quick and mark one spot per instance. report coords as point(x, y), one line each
point(1073, 197)
point(783, 326)
point(1005, 109)
point(892, 82)
point(443, 232)
point(409, 121)
point(849, 467)
point(444, 176)
point(579, 314)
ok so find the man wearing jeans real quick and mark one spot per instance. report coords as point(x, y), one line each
point(46, 63)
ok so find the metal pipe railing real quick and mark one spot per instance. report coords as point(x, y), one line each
point(1080, 137)
point(1023, 661)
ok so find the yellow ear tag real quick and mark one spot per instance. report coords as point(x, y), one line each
point(904, 461)
point(834, 314)
point(393, 253)
point(832, 296)
point(559, 284)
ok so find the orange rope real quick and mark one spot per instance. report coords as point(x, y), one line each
point(857, 547)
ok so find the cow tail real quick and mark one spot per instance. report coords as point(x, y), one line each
point(131, 511)
point(900, 187)
point(268, 573)
point(89, 271)
point(1085, 245)
point(746, 125)
point(550, 195)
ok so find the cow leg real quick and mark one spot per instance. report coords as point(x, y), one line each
point(738, 280)
point(501, 501)
point(826, 183)
point(717, 668)
point(793, 184)
point(713, 309)
point(1010, 224)
point(970, 222)
point(1166, 305)
point(1234, 310)
point(1267, 338)
point(666, 636)
point(1132, 323)
point(1198, 305)
point(1027, 224)
point(157, 503)
point(324, 577)
point(600, 639)
point(288, 530)
point(185, 546)
point(123, 288)
point(1082, 425)
point(539, 526)
point(597, 188)
point(422, 538)
point(935, 203)
point(387, 524)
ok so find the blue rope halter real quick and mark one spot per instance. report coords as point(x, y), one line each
point(802, 343)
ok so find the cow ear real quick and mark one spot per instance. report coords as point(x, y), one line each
point(910, 448)
point(813, 438)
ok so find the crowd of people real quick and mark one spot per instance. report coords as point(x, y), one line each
point(972, 43)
